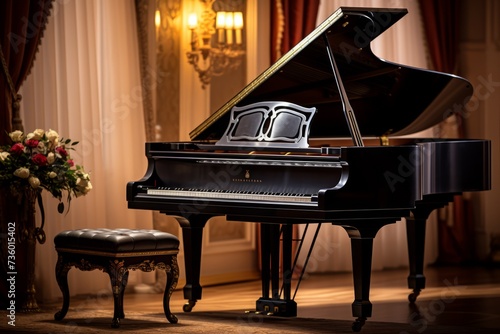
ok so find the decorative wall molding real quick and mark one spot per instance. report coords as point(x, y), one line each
point(168, 58)
point(142, 9)
point(494, 11)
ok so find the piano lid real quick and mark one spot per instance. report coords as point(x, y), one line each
point(387, 98)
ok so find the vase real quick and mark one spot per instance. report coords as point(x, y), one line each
point(28, 235)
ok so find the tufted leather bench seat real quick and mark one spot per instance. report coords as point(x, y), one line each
point(116, 251)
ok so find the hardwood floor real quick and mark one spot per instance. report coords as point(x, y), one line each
point(456, 300)
point(457, 296)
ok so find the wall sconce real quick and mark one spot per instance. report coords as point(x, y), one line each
point(216, 42)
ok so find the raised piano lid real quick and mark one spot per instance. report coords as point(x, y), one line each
point(387, 98)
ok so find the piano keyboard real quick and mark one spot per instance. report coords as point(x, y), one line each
point(197, 193)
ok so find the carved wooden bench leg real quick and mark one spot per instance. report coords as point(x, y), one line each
point(118, 275)
point(172, 271)
point(124, 285)
point(62, 281)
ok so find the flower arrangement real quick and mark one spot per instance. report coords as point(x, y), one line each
point(41, 160)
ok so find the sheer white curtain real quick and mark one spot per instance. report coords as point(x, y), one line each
point(403, 44)
point(85, 84)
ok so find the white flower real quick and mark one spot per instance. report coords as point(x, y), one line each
point(38, 134)
point(82, 182)
point(52, 136)
point(51, 157)
point(83, 185)
point(34, 182)
point(41, 147)
point(52, 175)
point(4, 155)
point(16, 136)
point(22, 172)
point(83, 190)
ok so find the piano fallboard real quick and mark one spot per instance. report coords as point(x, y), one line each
point(355, 180)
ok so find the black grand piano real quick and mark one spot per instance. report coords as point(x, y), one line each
point(269, 156)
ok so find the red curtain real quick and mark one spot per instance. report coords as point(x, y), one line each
point(22, 23)
point(441, 22)
point(441, 28)
point(291, 21)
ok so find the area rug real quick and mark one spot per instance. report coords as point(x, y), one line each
point(224, 322)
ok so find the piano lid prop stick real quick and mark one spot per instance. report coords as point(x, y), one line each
point(348, 112)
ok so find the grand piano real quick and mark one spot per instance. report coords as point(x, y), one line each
point(276, 154)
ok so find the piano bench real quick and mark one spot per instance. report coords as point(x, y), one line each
point(116, 251)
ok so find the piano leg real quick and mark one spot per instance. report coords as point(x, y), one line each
point(270, 256)
point(192, 236)
point(362, 235)
point(415, 234)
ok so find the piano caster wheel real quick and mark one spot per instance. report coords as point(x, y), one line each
point(188, 306)
point(412, 297)
point(358, 324)
point(115, 323)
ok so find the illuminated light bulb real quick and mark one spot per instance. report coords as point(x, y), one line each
point(192, 21)
point(229, 27)
point(238, 25)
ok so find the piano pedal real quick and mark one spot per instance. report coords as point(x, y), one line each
point(259, 313)
point(276, 307)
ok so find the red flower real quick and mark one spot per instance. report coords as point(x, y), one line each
point(61, 151)
point(40, 159)
point(17, 148)
point(70, 162)
point(32, 143)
